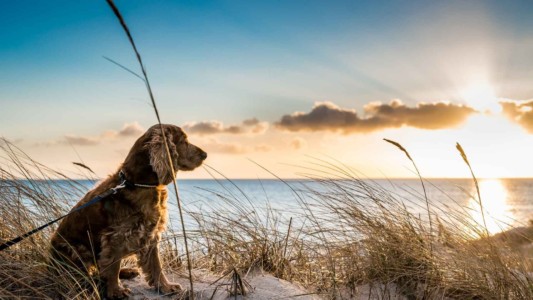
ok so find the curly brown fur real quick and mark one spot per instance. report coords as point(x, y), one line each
point(131, 221)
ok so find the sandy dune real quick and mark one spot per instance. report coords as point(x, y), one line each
point(261, 286)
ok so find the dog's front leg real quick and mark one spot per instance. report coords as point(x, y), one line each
point(151, 266)
point(109, 269)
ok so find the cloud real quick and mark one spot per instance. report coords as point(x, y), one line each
point(437, 115)
point(127, 131)
point(326, 116)
point(298, 143)
point(520, 112)
point(215, 127)
point(255, 125)
point(215, 146)
point(81, 140)
point(131, 129)
point(263, 148)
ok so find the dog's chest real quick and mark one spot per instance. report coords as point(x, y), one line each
point(153, 214)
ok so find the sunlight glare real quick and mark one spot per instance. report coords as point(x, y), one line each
point(481, 96)
point(494, 199)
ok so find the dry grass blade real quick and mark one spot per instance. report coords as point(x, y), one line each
point(423, 187)
point(465, 159)
point(83, 166)
point(462, 152)
point(399, 147)
point(124, 68)
point(238, 285)
point(171, 165)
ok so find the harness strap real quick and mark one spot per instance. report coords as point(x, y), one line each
point(107, 193)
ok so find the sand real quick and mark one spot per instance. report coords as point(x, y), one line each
point(260, 286)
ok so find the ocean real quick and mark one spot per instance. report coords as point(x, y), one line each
point(506, 202)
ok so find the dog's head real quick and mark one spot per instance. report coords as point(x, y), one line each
point(150, 148)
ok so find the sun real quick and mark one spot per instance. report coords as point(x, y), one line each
point(481, 96)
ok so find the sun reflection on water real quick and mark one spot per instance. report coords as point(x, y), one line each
point(494, 197)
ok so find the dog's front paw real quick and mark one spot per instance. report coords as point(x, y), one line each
point(170, 288)
point(118, 293)
point(128, 273)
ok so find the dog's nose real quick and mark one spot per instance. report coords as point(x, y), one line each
point(203, 155)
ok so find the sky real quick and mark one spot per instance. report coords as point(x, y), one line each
point(285, 85)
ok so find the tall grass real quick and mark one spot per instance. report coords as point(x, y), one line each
point(399, 146)
point(467, 162)
point(30, 195)
point(348, 235)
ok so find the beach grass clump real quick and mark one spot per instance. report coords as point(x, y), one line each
point(395, 248)
point(236, 237)
point(358, 234)
point(30, 195)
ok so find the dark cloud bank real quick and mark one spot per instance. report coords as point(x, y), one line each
point(326, 116)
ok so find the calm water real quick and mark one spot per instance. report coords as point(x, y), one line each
point(506, 201)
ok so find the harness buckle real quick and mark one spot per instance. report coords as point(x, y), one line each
point(119, 187)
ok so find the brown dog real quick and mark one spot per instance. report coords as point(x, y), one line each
point(131, 221)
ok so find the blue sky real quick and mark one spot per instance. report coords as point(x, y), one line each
point(229, 61)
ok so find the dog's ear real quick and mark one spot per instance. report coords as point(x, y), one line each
point(159, 156)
